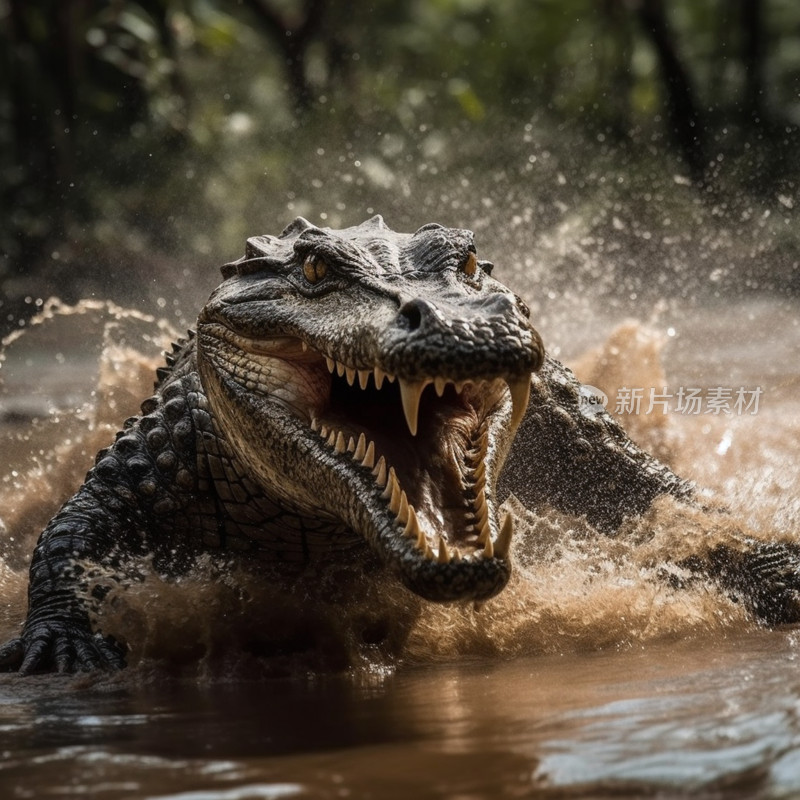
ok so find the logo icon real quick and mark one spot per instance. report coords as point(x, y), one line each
point(592, 401)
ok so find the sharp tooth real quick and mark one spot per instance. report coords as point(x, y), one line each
point(369, 457)
point(455, 555)
point(503, 544)
point(379, 375)
point(391, 483)
point(484, 535)
point(396, 500)
point(460, 386)
point(480, 505)
point(314, 424)
point(331, 364)
point(331, 439)
point(422, 542)
point(402, 513)
point(380, 472)
point(361, 448)
point(439, 384)
point(479, 473)
point(340, 445)
point(351, 374)
point(444, 556)
point(410, 392)
point(363, 378)
point(411, 529)
point(390, 377)
point(488, 548)
point(340, 369)
point(520, 394)
point(323, 431)
point(351, 445)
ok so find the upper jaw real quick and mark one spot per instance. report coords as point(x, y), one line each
point(411, 389)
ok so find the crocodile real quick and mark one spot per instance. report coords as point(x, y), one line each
point(361, 396)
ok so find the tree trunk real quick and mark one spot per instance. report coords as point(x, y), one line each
point(616, 70)
point(753, 60)
point(293, 40)
point(682, 115)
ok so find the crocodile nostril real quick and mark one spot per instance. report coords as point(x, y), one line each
point(412, 313)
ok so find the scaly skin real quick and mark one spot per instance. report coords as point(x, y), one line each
point(352, 392)
point(579, 460)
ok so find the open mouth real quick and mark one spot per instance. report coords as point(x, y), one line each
point(421, 456)
point(426, 445)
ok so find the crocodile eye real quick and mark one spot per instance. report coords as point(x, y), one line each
point(470, 266)
point(314, 269)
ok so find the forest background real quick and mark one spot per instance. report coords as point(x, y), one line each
point(632, 147)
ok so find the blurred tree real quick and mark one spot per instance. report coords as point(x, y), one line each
point(682, 114)
point(79, 72)
point(293, 31)
point(753, 60)
point(110, 109)
point(617, 70)
point(44, 55)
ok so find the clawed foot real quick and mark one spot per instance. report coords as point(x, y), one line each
point(62, 647)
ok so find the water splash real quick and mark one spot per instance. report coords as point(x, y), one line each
point(573, 589)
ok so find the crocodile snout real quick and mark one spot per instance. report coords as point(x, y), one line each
point(487, 336)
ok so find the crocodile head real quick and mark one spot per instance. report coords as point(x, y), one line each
point(375, 379)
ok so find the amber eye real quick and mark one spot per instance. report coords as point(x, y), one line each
point(314, 269)
point(470, 266)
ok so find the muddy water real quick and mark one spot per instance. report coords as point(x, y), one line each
point(589, 676)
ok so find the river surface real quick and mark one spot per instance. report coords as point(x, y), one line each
point(590, 676)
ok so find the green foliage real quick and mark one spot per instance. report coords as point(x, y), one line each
point(177, 126)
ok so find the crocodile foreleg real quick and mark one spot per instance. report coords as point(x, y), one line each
point(571, 455)
point(137, 486)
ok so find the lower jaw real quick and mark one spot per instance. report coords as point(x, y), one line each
point(470, 577)
point(462, 581)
